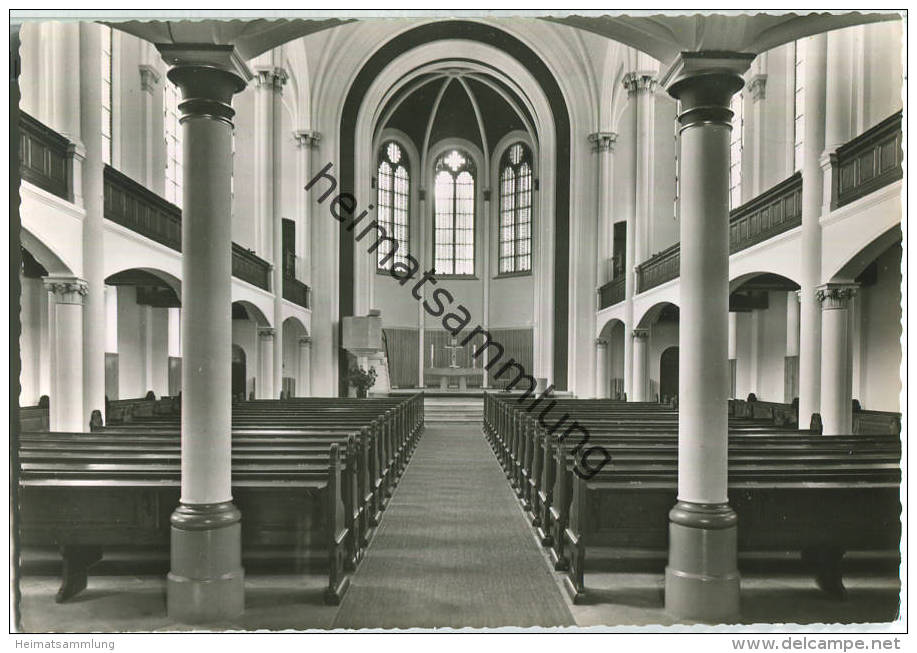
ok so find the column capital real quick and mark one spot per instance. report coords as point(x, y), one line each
point(636, 83)
point(267, 332)
point(421, 194)
point(603, 141)
point(270, 77)
point(640, 333)
point(208, 76)
point(757, 86)
point(306, 138)
point(705, 82)
point(149, 78)
point(834, 296)
point(67, 290)
point(305, 341)
point(487, 194)
point(599, 342)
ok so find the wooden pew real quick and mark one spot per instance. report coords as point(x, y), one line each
point(773, 462)
point(127, 500)
point(821, 508)
point(372, 446)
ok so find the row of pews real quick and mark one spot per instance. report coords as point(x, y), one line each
point(310, 476)
point(794, 491)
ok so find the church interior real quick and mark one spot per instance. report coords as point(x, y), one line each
point(421, 322)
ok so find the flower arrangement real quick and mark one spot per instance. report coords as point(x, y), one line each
point(362, 380)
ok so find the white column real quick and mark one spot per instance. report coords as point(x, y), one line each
point(146, 346)
point(46, 306)
point(810, 236)
point(640, 338)
point(630, 280)
point(792, 323)
point(702, 580)
point(266, 347)
point(754, 350)
point(269, 145)
point(642, 88)
point(732, 342)
point(149, 85)
point(601, 369)
point(306, 141)
point(205, 584)
point(757, 87)
point(66, 412)
point(175, 332)
point(90, 119)
point(836, 386)
point(603, 144)
point(304, 382)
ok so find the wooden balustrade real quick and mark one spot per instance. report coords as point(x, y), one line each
point(45, 157)
point(249, 267)
point(611, 293)
point(141, 210)
point(659, 268)
point(774, 211)
point(867, 163)
point(296, 291)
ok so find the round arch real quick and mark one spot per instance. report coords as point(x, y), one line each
point(144, 276)
point(254, 313)
point(45, 255)
point(856, 264)
point(653, 313)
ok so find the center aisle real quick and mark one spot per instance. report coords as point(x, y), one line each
point(453, 548)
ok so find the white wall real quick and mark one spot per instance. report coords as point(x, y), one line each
point(772, 348)
point(30, 340)
point(662, 336)
point(131, 345)
point(880, 383)
point(245, 334)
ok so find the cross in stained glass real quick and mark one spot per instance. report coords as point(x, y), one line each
point(454, 160)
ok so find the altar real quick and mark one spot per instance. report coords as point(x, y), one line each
point(454, 371)
point(446, 374)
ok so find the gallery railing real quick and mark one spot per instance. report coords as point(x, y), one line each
point(611, 293)
point(45, 157)
point(867, 163)
point(774, 211)
point(134, 206)
point(296, 291)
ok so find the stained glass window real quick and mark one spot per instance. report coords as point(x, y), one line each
point(453, 235)
point(516, 210)
point(393, 193)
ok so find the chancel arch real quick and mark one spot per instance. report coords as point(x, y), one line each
point(515, 68)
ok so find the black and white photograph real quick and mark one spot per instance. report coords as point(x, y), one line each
point(483, 321)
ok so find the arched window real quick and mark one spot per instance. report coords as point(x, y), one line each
point(172, 129)
point(735, 151)
point(453, 236)
point(516, 210)
point(393, 186)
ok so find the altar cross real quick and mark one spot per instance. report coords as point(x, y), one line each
point(453, 348)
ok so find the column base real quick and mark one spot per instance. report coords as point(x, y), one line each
point(702, 577)
point(205, 584)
